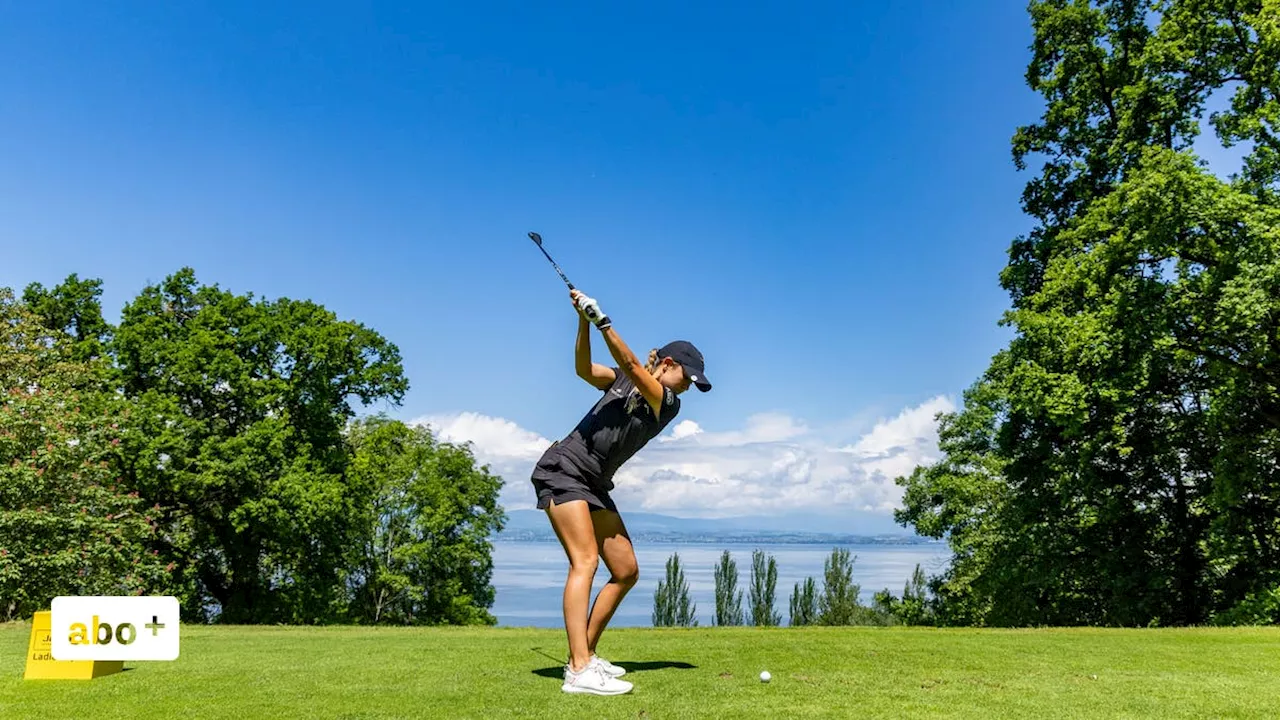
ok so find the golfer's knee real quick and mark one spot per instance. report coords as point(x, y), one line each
point(627, 575)
point(584, 564)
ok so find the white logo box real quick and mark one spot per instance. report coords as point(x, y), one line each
point(92, 627)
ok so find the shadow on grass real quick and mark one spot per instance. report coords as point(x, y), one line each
point(558, 671)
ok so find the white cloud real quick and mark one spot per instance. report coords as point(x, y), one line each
point(773, 464)
point(760, 428)
point(506, 448)
point(492, 437)
point(911, 427)
point(681, 430)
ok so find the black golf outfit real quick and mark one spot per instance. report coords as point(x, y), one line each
point(582, 465)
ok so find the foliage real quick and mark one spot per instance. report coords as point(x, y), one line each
point(206, 448)
point(73, 307)
point(728, 597)
point(764, 584)
point(239, 407)
point(671, 603)
point(804, 604)
point(1117, 463)
point(913, 608)
point(424, 555)
point(839, 602)
point(67, 525)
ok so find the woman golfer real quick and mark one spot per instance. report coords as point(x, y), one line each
point(574, 476)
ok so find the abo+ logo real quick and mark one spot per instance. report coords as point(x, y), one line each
point(110, 627)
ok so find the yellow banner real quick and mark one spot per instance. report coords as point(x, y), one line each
point(42, 666)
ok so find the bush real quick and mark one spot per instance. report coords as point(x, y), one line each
point(804, 604)
point(1257, 608)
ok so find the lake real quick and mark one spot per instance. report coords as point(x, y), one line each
point(529, 576)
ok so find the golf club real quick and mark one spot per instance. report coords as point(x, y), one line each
point(537, 240)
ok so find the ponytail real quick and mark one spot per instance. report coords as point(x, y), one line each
point(652, 365)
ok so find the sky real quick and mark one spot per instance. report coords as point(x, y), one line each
point(821, 200)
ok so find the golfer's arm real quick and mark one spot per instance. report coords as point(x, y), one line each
point(648, 386)
point(598, 375)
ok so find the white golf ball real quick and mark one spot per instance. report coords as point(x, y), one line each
point(764, 676)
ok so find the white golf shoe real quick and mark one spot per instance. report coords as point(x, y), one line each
point(593, 679)
point(609, 668)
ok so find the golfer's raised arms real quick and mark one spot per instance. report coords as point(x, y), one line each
point(599, 376)
point(645, 382)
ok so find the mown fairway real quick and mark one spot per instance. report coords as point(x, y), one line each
point(278, 673)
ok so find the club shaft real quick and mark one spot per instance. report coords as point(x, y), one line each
point(537, 239)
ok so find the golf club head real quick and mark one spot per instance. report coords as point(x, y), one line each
point(537, 239)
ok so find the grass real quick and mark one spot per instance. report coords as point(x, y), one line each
point(286, 672)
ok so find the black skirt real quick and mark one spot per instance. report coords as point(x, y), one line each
point(556, 478)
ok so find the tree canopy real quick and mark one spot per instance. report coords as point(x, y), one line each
point(209, 447)
point(1119, 461)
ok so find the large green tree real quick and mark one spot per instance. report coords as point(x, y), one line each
point(68, 525)
point(73, 307)
point(1117, 463)
point(240, 406)
point(426, 516)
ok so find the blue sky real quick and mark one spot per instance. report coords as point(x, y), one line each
point(820, 198)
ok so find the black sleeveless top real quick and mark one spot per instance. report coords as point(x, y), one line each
point(617, 426)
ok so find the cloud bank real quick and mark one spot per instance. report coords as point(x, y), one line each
point(773, 464)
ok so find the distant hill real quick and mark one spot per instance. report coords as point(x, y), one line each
point(532, 525)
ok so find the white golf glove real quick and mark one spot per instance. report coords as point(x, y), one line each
point(590, 309)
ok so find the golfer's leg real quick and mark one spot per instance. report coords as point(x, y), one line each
point(572, 523)
point(615, 547)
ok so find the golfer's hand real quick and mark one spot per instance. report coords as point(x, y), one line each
point(585, 305)
point(589, 309)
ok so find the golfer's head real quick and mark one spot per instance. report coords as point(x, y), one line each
point(679, 365)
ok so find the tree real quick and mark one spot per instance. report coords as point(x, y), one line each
point(912, 608)
point(671, 603)
point(839, 602)
point(67, 525)
point(728, 597)
point(764, 582)
point(1115, 463)
point(73, 307)
point(424, 555)
point(804, 604)
point(240, 406)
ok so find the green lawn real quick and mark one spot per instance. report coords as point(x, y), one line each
point(279, 672)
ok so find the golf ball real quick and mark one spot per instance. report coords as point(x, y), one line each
point(764, 676)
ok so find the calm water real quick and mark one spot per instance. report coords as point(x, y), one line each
point(529, 576)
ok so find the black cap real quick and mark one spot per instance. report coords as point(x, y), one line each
point(690, 359)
